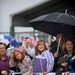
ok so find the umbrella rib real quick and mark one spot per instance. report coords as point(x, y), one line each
point(58, 17)
point(73, 17)
point(39, 25)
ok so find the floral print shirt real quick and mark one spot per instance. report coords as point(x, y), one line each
point(26, 66)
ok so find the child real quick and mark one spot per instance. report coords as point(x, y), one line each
point(62, 62)
point(43, 61)
point(23, 61)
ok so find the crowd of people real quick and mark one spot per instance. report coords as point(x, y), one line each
point(57, 56)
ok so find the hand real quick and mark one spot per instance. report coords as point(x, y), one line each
point(11, 41)
point(11, 71)
point(45, 72)
point(73, 58)
point(55, 54)
point(31, 45)
point(67, 73)
point(65, 55)
point(4, 72)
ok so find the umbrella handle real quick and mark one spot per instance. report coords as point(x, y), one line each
point(66, 11)
point(58, 44)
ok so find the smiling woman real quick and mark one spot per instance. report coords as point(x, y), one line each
point(68, 48)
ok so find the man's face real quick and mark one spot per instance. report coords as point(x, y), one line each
point(62, 38)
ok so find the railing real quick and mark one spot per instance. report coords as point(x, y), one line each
point(38, 35)
point(19, 73)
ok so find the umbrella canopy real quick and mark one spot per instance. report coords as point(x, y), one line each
point(55, 22)
point(7, 38)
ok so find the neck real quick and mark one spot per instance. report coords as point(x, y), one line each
point(2, 57)
point(22, 57)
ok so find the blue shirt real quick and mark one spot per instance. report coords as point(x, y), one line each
point(70, 66)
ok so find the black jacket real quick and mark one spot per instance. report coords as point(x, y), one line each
point(61, 69)
point(53, 49)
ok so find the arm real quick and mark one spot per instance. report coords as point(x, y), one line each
point(9, 43)
point(7, 46)
point(4, 72)
point(50, 60)
point(70, 64)
point(26, 66)
point(29, 62)
point(71, 60)
point(31, 51)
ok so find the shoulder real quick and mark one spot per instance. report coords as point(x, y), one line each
point(47, 52)
point(7, 57)
point(27, 57)
point(54, 43)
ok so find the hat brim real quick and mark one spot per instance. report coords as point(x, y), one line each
point(62, 59)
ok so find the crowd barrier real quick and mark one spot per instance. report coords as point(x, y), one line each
point(19, 73)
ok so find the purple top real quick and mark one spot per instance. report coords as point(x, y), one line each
point(37, 65)
point(4, 64)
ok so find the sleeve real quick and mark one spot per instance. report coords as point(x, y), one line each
point(70, 65)
point(50, 60)
point(7, 46)
point(0, 72)
point(31, 51)
point(29, 62)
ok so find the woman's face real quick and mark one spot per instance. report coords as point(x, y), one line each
point(2, 50)
point(69, 46)
point(18, 55)
point(41, 46)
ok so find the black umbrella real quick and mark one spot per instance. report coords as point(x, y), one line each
point(55, 22)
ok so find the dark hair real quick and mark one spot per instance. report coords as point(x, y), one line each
point(20, 43)
point(63, 47)
point(63, 34)
point(3, 44)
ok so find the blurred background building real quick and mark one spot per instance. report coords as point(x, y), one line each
point(15, 14)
